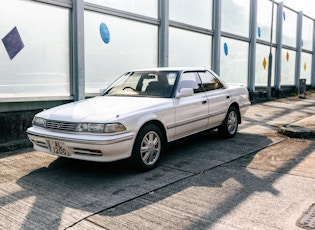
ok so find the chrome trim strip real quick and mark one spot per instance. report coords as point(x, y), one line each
point(81, 141)
point(186, 122)
point(171, 126)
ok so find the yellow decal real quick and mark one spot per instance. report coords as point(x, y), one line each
point(264, 63)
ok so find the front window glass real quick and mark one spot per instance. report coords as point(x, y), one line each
point(190, 80)
point(137, 84)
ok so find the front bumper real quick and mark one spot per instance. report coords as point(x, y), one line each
point(89, 147)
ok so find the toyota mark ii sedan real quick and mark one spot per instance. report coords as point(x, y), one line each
point(139, 114)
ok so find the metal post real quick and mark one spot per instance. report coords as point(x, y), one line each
point(217, 36)
point(270, 55)
point(313, 59)
point(279, 47)
point(163, 33)
point(252, 46)
point(78, 50)
point(299, 49)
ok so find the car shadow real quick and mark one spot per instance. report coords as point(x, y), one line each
point(214, 194)
point(68, 190)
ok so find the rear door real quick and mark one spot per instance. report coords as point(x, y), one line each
point(218, 97)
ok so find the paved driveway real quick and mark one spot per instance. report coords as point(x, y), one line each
point(258, 180)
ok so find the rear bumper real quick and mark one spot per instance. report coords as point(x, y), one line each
point(243, 109)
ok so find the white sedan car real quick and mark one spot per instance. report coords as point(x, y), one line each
point(139, 114)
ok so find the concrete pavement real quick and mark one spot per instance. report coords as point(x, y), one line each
point(261, 179)
point(304, 128)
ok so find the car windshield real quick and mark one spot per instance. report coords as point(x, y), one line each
point(144, 84)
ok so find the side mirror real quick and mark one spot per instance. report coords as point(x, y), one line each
point(185, 92)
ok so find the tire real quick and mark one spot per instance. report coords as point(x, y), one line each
point(148, 148)
point(229, 127)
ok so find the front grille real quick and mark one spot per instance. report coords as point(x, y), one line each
point(59, 125)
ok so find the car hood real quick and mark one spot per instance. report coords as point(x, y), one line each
point(101, 108)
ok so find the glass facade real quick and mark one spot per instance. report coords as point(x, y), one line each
point(307, 34)
point(35, 51)
point(188, 48)
point(114, 45)
point(289, 19)
point(306, 64)
point(37, 60)
point(234, 61)
point(262, 65)
point(143, 7)
point(264, 20)
point(235, 17)
point(187, 11)
point(287, 67)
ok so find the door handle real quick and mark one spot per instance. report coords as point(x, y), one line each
point(227, 97)
point(204, 102)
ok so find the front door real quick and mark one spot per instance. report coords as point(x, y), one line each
point(191, 112)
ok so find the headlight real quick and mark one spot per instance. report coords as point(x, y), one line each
point(90, 127)
point(100, 128)
point(41, 122)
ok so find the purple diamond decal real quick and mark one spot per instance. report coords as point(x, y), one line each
point(13, 43)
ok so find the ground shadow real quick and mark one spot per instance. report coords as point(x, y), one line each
point(247, 183)
point(87, 188)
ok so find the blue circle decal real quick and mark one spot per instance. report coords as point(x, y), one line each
point(226, 49)
point(104, 33)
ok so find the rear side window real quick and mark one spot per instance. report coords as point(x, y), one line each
point(209, 81)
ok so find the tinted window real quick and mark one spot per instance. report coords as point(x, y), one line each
point(190, 80)
point(209, 81)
